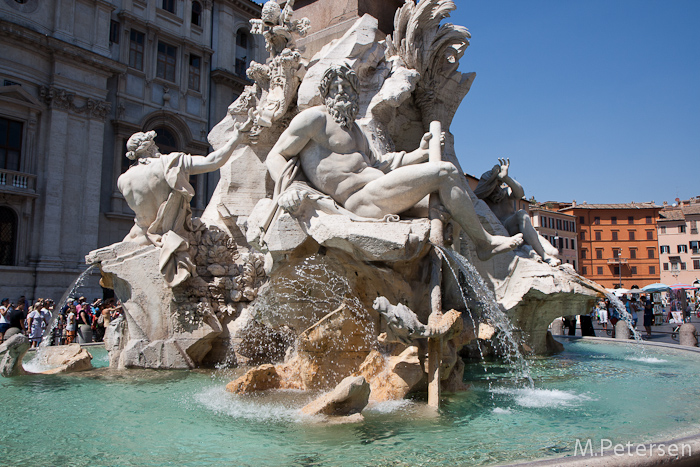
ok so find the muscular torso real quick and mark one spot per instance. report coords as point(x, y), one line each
point(504, 208)
point(336, 160)
point(144, 187)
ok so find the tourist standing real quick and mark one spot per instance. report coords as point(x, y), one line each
point(603, 315)
point(4, 318)
point(84, 322)
point(17, 317)
point(35, 324)
point(648, 315)
point(71, 324)
point(613, 315)
point(632, 310)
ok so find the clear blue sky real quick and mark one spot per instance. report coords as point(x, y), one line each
point(595, 100)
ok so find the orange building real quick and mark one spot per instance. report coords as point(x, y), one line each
point(558, 228)
point(618, 243)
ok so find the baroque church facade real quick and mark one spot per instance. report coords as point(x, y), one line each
point(77, 78)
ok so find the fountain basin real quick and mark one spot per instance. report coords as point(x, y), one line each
point(591, 391)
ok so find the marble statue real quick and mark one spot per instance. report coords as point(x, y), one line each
point(403, 325)
point(277, 25)
point(500, 200)
point(157, 188)
point(284, 270)
point(337, 159)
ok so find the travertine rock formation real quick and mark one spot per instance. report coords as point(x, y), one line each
point(348, 398)
point(62, 358)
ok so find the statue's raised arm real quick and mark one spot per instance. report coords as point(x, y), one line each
point(158, 190)
point(500, 200)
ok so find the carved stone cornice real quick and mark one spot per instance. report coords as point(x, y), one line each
point(235, 82)
point(43, 43)
point(245, 6)
point(57, 98)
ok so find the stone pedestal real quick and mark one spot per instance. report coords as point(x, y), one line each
point(330, 20)
point(688, 335)
point(622, 331)
point(160, 332)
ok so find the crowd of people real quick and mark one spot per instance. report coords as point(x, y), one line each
point(606, 313)
point(76, 318)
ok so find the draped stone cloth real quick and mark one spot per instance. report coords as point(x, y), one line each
point(173, 224)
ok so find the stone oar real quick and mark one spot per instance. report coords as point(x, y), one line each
point(436, 238)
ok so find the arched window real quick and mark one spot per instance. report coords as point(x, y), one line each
point(165, 140)
point(242, 55)
point(8, 236)
point(197, 13)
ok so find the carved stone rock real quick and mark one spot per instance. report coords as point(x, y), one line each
point(393, 377)
point(64, 358)
point(261, 378)
point(12, 351)
point(348, 398)
point(162, 333)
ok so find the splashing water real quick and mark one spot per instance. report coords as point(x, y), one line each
point(77, 283)
point(505, 338)
point(647, 359)
point(627, 317)
point(543, 398)
point(309, 293)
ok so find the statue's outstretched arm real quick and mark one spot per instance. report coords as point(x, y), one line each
point(216, 159)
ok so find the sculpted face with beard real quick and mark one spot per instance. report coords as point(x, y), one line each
point(342, 106)
point(336, 158)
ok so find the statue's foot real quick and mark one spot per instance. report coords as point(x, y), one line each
point(551, 260)
point(499, 245)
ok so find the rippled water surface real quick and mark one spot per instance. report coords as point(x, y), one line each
point(160, 418)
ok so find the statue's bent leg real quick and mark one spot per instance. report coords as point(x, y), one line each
point(402, 188)
point(398, 190)
point(523, 223)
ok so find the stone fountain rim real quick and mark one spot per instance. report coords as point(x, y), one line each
point(612, 340)
point(609, 459)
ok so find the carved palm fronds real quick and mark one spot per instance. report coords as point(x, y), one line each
point(421, 43)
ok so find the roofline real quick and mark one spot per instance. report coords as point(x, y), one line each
point(600, 207)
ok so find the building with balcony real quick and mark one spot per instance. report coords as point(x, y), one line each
point(617, 243)
point(679, 242)
point(77, 78)
point(558, 228)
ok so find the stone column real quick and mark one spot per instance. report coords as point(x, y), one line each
point(622, 331)
point(51, 211)
point(688, 335)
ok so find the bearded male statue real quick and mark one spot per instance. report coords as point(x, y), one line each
point(157, 188)
point(337, 159)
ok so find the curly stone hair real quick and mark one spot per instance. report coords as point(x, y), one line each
point(136, 142)
point(344, 71)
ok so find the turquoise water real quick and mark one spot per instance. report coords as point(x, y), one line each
point(160, 418)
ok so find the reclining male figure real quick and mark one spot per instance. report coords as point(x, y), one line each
point(336, 158)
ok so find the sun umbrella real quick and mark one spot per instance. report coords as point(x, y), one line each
point(683, 286)
point(619, 292)
point(656, 288)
